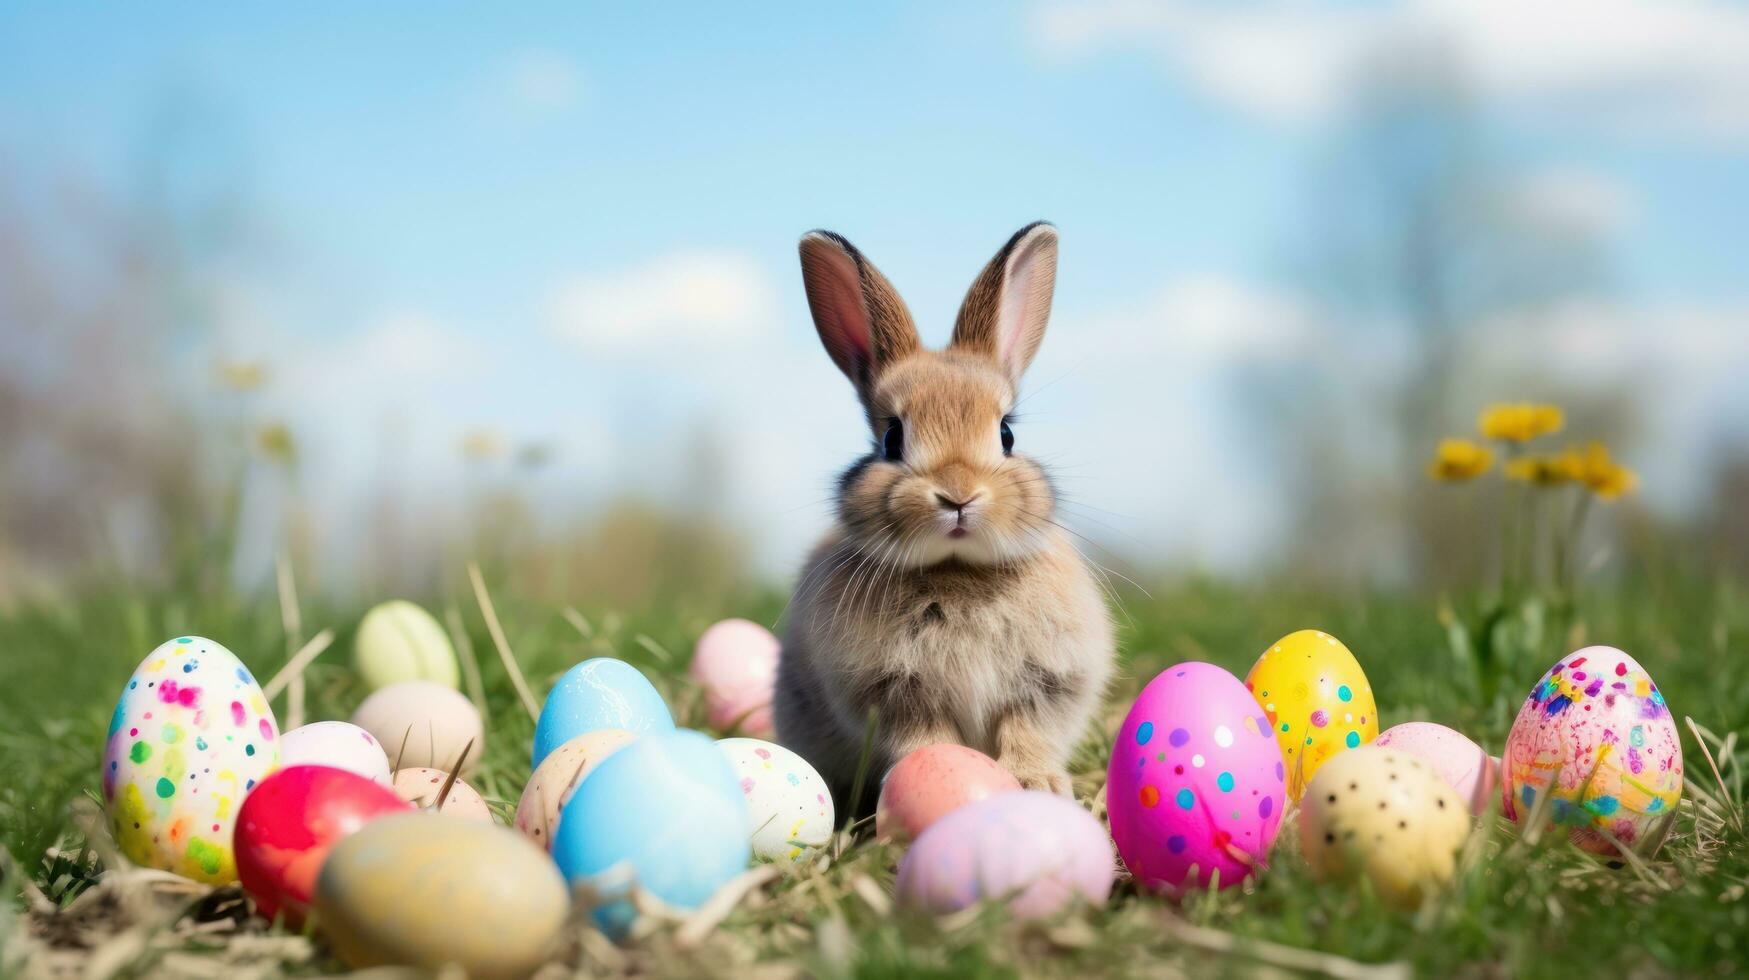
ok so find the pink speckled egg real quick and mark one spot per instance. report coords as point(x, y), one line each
point(1037, 850)
point(1463, 764)
point(1196, 784)
point(933, 781)
point(736, 664)
point(1597, 739)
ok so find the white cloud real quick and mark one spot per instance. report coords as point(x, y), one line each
point(708, 298)
point(543, 81)
point(1587, 203)
point(1676, 67)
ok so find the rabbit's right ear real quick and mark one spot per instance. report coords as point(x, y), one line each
point(861, 319)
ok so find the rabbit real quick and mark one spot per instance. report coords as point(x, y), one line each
point(946, 604)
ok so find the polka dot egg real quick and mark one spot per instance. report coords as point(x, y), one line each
point(1596, 738)
point(1196, 785)
point(191, 735)
point(789, 803)
point(1317, 700)
point(1387, 816)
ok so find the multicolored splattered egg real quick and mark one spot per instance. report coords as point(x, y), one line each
point(1387, 816)
point(1596, 737)
point(190, 737)
point(1317, 699)
point(788, 802)
point(1196, 785)
point(1464, 765)
point(1036, 851)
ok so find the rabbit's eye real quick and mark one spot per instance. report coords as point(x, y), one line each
point(1007, 439)
point(893, 444)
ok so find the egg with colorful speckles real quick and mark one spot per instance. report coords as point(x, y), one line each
point(190, 737)
point(1317, 699)
point(1596, 750)
point(1196, 785)
point(789, 804)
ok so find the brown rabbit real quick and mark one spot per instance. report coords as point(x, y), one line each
point(946, 601)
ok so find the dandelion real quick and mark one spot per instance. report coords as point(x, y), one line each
point(482, 444)
point(242, 375)
point(1600, 474)
point(1543, 471)
point(1520, 422)
point(275, 442)
point(1458, 460)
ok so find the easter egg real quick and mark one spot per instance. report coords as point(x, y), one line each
point(190, 737)
point(1385, 815)
point(596, 694)
point(559, 775)
point(787, 801)
point(1596, 738)
point(337, 744)
point(1038, 852)
point(1464, 765)
point(423, 789)
point(930, 782)
point(1317, 699)
point(289, 823)
point(399, 641)
point(735, 662)
point(1196, 785)
point(423, 892)
point(423, 724)
point(664, 813)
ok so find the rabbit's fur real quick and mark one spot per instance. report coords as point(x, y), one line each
point(997, 636)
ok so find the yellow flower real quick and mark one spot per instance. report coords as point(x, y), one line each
point(1543, 471)
point(1521, 422)
point(275, 441)
point(242, 375)
point(482, 444)
point(1458, 460)
point(1600, 474)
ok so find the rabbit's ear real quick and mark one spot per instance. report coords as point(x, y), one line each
point(1004, 312)
point(861, 319)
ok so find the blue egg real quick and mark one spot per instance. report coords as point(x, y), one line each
point(664, 812)
point(597, 694)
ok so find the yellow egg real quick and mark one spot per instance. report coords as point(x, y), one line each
point(1317, 699)
point(1388, 816)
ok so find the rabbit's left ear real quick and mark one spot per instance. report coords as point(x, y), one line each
point(1004, 313)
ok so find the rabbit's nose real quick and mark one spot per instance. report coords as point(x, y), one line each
point(948, 503)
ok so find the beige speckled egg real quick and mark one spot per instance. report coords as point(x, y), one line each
point(559, 775)
point(423, 723)
point(421, 787)
point(1383, 814)
point(427, 892)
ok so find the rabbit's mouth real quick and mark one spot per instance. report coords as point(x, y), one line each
point(958, 531)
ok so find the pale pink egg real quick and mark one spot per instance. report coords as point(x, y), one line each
point(1464, 765)
point(735, 662)
point(932, 782)
point(1037, 851)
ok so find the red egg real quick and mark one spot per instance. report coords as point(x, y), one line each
point(932, 782)
point(289, 823)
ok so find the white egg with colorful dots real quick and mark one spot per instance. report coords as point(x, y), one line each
point(788, 801)
point(191, 735)
point(338, 745)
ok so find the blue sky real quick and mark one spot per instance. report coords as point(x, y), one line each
point(469, 196)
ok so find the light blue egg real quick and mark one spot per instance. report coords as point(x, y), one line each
point(665, 812)
point(597, 694)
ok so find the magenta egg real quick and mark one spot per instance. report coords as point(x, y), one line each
point(1036, 851)
point(1196, 785)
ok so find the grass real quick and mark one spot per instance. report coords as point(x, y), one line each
point(1518, 907)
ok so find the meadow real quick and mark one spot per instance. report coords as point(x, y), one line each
point(1520, 906)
